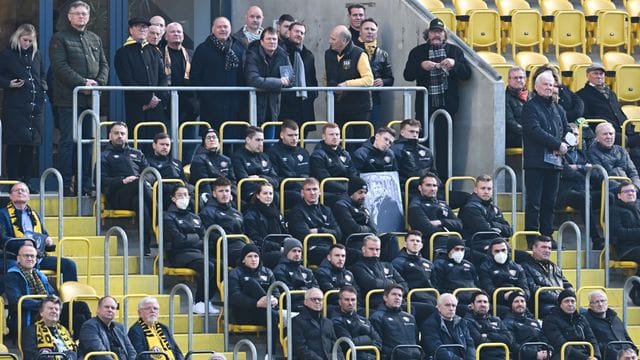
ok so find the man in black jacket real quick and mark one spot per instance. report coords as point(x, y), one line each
point(416, 270)
point(516, 94)
point(413, 158)
point(430, 215)
point(291, 271)
point(250, 161)
point(606, 324)
point(168, 167)
point(209, 162)
point(375, 154)
point(625, 222)
point(613, 158)
point(313, 334)
point(485, 328)
point(332, 274)
point(565, 323)
point(454, 272)
point(311, 217)
point(446, 328)
point(524, 329)
point(348, 323)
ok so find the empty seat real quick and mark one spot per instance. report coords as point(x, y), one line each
point(568, 31)
point(568, 61)
point(462, 8)
point(612, 30)
point(627, 84)
point(505, 9)
point(547, 9)
point(447, 16)
point(591, 9)
point(526, 30)
point(484, 29)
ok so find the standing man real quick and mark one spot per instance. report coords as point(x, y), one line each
point(158, 21)
point(356, 14)
point(217, 61)
point(252, 27)
point(77, 59)
point(101, 333)
point(544, 125)
point(284, 27)
point(348, 65)
point(298, 105)
point(515, 96)
point(154, 35)
point(438, 66)
point(148, 334)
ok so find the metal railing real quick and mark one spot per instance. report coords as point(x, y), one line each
point(514, 185)
point(187, 291)
point(289, 349)
point(576, 231)
point(43, 178)
point(336, 348)
point(96, 144)
point(141, 234)
point(576, 343)
point(432, 142)
point(125, 262)
point(587, 217)
point(248, 343)
point(225, 278)
point(626, 289)
point(447, 346)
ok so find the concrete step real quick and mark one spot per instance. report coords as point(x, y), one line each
point(504, 201)
point(77, 248)
point(96, 264)
point(137, 284)
point(590, 277)
point(73, 225)
point(70, 205)
point(201, 342)
point(181, 323)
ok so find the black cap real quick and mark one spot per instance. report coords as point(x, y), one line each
point(247, 249)
point(436, 24)
point(138, 20)
point(566, 293)
point(452, 242)
point(514, 295)
point(356, 184)
point(209, 131)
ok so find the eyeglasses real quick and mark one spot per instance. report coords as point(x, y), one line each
point(28, 256)
point(629, 191)
point(78, 13)
point(20, 190)
point(315, 299)
point(601, 301)
point(518, 77)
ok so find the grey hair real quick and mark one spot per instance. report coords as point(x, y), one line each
point(147, 300)
point(545, 75)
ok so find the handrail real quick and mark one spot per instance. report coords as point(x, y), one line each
point(189, 294)
point(43, 178)
point(181, 139)
point(407, 184)
point(367, 300)
point(101, 353)
point(497, 292)
point(514, 238)
point(305, 241)
point(587, 216)
point(536, 297)
point(576, 343)
point(435, 235)
point(139, 125)
point(125, 263)
point(493, 345)
point(196, 192)
point(303, 127)
point(225, 278)
point(533, 343)
point(353, 123)
point(77, 136)
point(336, 347)
point(444, 346)
point(285, 288)
point(576, 230)
point(372, 348)
point(431, 136)
point(141, 235)
point(420, 290)
point(248, 343)
point(324, 181)
point(626, 288)
point(61, 252)
point(239, 187)
point(512, 175)
point(450, 180)
point(283, 184)
point(151, 354)
point(405, 346)
point(463, 290)
point(325, 300)
point(580, 291)
point(19, 311)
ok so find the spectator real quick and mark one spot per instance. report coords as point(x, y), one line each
point(184, 245)
point(220, 211)
point(101, 333)
point(413, 158)
point(627, 354)
point(77, 59)
point(429, 215)
point(284, 27)
point(138, 65)
point(121, 168)
point(30, 226)
point(168, 167)
point(501, 271)
point(380, 65)
point(332, 274)
point(454, 272)
point(148, 334)
point(613, 158)
point(565, 323)
point(357, 13)
point(261, 219)
point(624, 222)
point(250, 161)
point(311, 217)
point(606, 325)
point(252, 28)
point(291, 271)
point(395, 326)
point(525, 329)
point(542, 272)
point(299, 105)
point(154, 35)
point(348, 65)
point(416, 270)
point(23, 80)
point(48, 334)
point(438, 66)
point(329, 159)
point(446, 328)
point(209, 162)
point(348, 323)
point(313, 334)
point(375, 154)
point(544, 125)
point(485, 328)
point(515, 96)
point(217, 61)
point(267, 68)
point(158, 21)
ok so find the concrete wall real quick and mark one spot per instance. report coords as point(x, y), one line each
point(478, 139)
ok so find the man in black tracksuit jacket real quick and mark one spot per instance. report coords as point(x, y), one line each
point(313, 334)
point(209, 162)
point(332, 275)
point(444, 327)
point(291, 272)
point(413, 158)
point(454, 272)
point(524, 328)
point(375, 154)
point(168, 167)
point(348, 323)
point(415, 269)
point(250, 161)
point(485, 328)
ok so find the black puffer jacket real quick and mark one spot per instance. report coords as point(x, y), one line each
point(615, 160)
point(289, 161)
point(332, 278)
point(183, 235)
point(541, 274)
point(625, 226)
point(118, 163)
point(261, 220)
point(352, 218)
point(489, 329)
point(313, 336)
point(367, 158)
point(371, 273)
point(396, 327)
point(513, 118)
point(450, 275)
point(246, 163)
point(230, 220)
point(417, 271)
point(210, 164)
point(413, 158)
point(493, 275)
point(479, 215)
point(524, 329)
point(423, 210)
point(297, 277)
point(358, 329)
point(544, 124)
point(560, 327)
point(326, 162)
point(308, 216)
point(246, 287)
point(606, 330)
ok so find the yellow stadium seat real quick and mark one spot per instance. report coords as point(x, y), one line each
point(462, 8)
point(579, 78)
point(612, 30)
point(484, 29)
point(591, 9)
point(432, 4)
point(491, 57)
point(505, 9)
point(548, 8)
point(632, 111)
point(529, 59)
point(568, 61)
point(503, 71)
point(612, 59)
point(526, 30)
point(447, 16)
point(568, 31)
point(633, 9)
point(627, 85)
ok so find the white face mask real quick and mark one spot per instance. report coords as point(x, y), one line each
point(182, 203)
point(457, 256)
point(501, 257)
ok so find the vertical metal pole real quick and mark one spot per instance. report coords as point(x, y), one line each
point(336, 348)
point(406, 105)
point(285, 288)
point(43, 179)
point(189, 294)
point(141, 234)
point(175, 116)
point(253, 108)
point(512, 176)
point(331, 106)
point(125, 253)
point(225, 278)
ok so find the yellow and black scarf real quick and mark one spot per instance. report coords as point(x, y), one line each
point(156, 339)
point(167, 62)
point(36, 287)
point(16, 221)
point(45, 339)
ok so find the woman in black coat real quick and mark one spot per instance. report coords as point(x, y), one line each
point(22, 77)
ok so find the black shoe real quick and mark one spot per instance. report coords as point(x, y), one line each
point(597, 244)
point(147, 251)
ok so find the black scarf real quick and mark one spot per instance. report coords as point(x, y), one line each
point(231, 60)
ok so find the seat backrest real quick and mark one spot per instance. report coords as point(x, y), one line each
point(447, 16)
point(579, 78)
point(71, 289)
point(526, 29)
point(612, 59)
point(548, 7)
point(463, 7)
point(526, 59)
point(592, 7)
point(612, 29)
point(505, 7)
point(627, 85)
point(568, 59)
point(568, 30)
point(491, 57)
point(632, 7)
point(432, 4)
point(484, 28)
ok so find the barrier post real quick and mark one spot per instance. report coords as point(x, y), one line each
point(141, 234)
point(225, 274)
point(98, 175)
point(626, 289)
point(576, 230)
point(576, 343)
point(187, 291)
point(336, 347)
point(432, 126)
point(587, 216)
point(512, 175)
point(43, 178)
point(125, 262)
point(285, 288)
point(248, 343)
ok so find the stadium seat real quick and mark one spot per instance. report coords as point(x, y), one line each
point(591, 10)
point(505, 9)
point(462, 8)
point(484, 29)
point(152, 124)
point(447, 16)
point(568, 61)
point(526, 30)
point(612, 31)
point(633, 9)
point(568, 31)
point(529, 59)
point(632, 111)
point(181, 135)
point(579, 78)
point(548, 8)
point(612, 60)
point(491, 57)
point(432, 4)
point(627, 84)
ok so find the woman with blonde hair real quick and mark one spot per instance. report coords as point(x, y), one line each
point(23, 78)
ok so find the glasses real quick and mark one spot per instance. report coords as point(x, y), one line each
point(315, 299)
point(629, 191)
point(602, 301)
point(77, 13)
point(518, 77)
point(28, 256)
point(20, 190)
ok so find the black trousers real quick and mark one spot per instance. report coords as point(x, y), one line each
point(198, 265)
point(126, 197)
point(542, 190)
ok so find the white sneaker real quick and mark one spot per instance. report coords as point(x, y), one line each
point(213, 310)
point(198, 308)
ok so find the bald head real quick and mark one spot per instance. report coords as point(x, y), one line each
point(159, 22)
point(221, 28)
point(339, 38)
point(253, 19)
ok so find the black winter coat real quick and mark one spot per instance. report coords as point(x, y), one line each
point(308, 216)
point(183, 234)
point(332, 278)
point(606, 330)
point(625, 226)
point(543, 275)
point(367, 158)
point(524, 329)
point(489, 329)
point(313, 336)
point(544, 124)
point(413, 158)
point(352, 218)
point(435, 334)
point(289, 161)
point(450, 275)
point(371, 273)
point(296, 276)
point(417, 271)
point(246, 163)
point(230, 220)
point(571, 103)
point(326, 162)
point(358, 329)
point(246, 287)
point(597, 106)
point(23, 107)
point(261, 220)
point(493, 275)
point(560, 327)
point(573, 179)
point(422, 210)
point(513, 118)
point(479, 215)
point(118, 163)
point(210, 164)
point(396, 327)
point(293, 107)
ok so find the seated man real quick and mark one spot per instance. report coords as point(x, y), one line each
point(311, 217)
point(524, 328)
point(413, 158)
point(220, 211)
point(101, 333)
point(121, 168)
point(485, 328)
point(613, 158)
point(19, 220)
point(444, 327)
point(627, 354)
point(148, 334)
point(416, 270)
point(250, 161)
point(332, 274)
point(565, 323)
point(625, 222)
point(329, 159)
point(313, 334)
point(395, 326)
point(291, 272)
point(542, 272)
point(429, 215)
point(168, 167)
point(47, 334)
point(209, 162)
point(454, 272)
point(375, 154)
point(606, 324)
point(347, 323)
point(184, 247)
